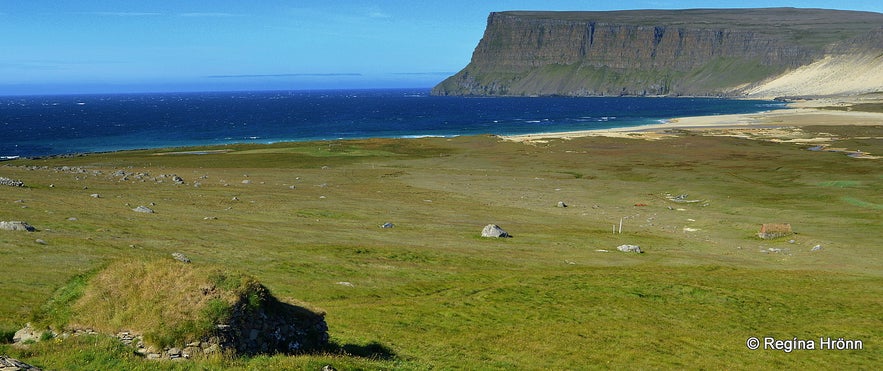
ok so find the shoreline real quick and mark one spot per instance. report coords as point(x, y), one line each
point(798, 114)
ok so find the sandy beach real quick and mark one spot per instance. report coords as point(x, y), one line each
point(804, 113)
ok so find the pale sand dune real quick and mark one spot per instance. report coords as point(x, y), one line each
point(833, 75)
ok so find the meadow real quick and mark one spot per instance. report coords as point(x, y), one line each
point(430, 293)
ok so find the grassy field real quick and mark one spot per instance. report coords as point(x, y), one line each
point(303, 218)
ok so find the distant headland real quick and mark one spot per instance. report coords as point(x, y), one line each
point(770, 52)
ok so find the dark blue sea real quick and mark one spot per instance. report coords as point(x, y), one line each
point(32, 126)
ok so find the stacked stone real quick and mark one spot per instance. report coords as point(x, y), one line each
point(287, 329)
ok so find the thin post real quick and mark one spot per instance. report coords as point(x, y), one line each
point(620, 225)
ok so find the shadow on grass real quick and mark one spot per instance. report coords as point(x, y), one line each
point(372, 350)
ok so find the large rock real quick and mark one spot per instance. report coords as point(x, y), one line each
point(27, 334)
point(494, 231)
point(16, 226)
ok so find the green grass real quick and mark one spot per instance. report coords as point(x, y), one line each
point(430, 294)
point(861, 203)
point(841, 183)
point(56, 312)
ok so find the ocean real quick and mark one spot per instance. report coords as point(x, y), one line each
point(33, 126)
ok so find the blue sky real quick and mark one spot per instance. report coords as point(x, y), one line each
point(90, 46)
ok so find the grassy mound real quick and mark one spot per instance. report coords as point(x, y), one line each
point(171, 304)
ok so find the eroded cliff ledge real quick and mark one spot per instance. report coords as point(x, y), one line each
point(722, 52)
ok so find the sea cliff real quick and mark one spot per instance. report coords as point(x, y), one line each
point(703, 52)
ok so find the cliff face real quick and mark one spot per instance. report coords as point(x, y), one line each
point(689, 52)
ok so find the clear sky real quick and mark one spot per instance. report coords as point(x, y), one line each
point(89, 46)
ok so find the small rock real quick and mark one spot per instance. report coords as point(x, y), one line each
point(562, 204)
point(213, 348)
point(180, 257)
point(494, 231)
point(143, 209)
point(72, 219)
point(387, 225)
point(189, 351)
point(328, 368)
point(95, 195)
point(246, 181)
point(630, 248)
point(817, 248)
point(40, 241)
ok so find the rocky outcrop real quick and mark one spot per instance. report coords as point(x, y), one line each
point(656, 52)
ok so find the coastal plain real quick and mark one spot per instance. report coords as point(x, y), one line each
point(430, 293)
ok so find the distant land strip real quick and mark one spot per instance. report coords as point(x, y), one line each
point(283, 75)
